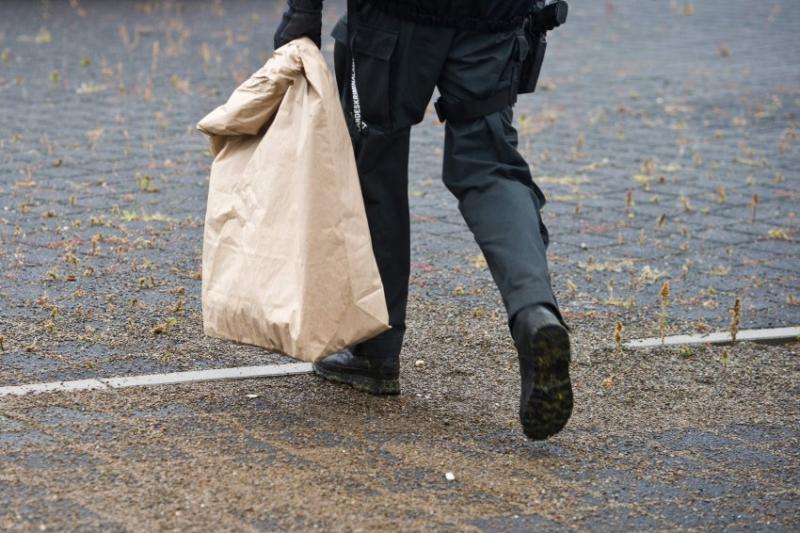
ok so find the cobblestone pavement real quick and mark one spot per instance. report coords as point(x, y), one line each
point(665, 136)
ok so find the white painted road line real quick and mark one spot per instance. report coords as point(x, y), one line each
point(194, 376)
point(246, 372)
point(774, 334)
point(36, 388)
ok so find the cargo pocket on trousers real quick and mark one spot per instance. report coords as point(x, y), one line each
point(373, 56)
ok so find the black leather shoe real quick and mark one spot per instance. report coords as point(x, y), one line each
point(376, 375)
point(542, 342)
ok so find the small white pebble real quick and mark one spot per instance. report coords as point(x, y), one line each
point(419, 362)
point(252, 396)
point(449, 476)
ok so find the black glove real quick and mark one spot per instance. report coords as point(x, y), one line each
point(303, 19)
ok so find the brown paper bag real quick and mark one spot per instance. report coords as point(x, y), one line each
point(287, 257)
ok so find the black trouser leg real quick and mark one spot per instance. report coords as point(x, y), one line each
point(502, 212)
point(383, 169)
point(394, 92)
point(488, 175)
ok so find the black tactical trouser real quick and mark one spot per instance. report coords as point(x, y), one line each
point(398, 65)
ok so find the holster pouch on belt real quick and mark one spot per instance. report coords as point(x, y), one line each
point(544, 17)
point(532, 66)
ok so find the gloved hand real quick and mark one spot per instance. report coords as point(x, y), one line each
point(303, 19)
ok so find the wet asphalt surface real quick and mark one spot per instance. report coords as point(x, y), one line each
point(664, 135)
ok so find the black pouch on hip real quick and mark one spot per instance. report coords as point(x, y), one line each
point(543, 18)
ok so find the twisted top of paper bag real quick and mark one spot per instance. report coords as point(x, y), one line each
point(256, 100)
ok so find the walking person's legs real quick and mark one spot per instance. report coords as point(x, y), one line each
point(397, 64)
point(501, 204)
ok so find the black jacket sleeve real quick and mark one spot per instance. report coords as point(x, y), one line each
point(302, 19)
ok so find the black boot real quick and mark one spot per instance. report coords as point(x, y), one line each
point(544, 355)
point(373, 366)
point(373, 375)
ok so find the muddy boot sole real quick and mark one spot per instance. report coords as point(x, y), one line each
point(378, 387)
point(546, 402)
